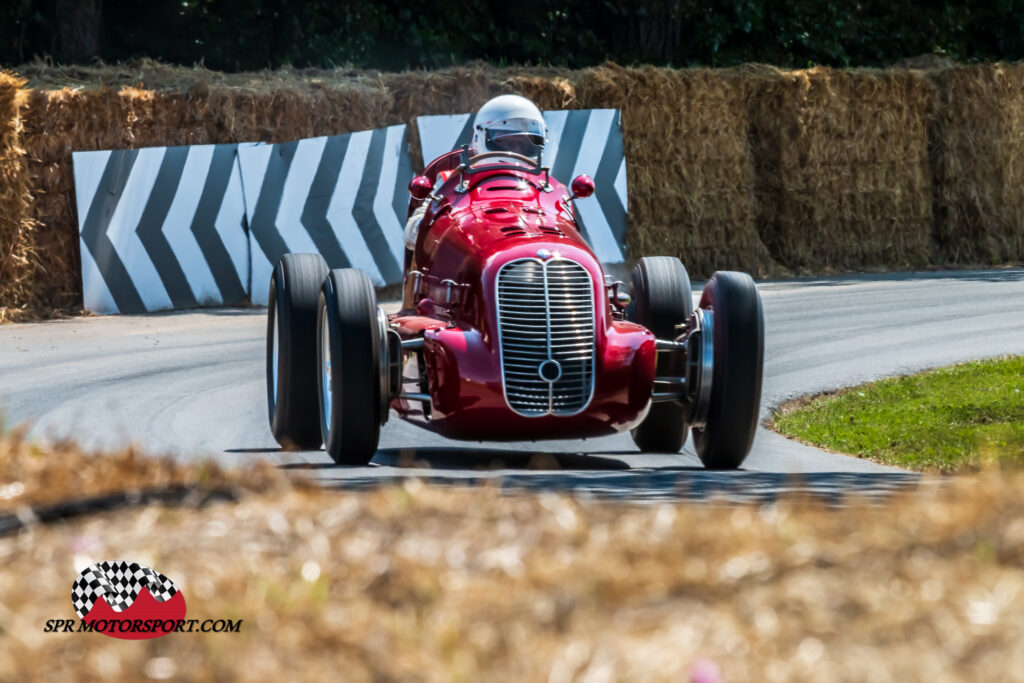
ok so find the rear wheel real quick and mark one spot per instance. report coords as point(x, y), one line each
point(738, 334)
point(291, 350)
point(662, 299)
point(348, 353)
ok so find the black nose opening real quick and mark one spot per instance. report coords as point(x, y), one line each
point(550, 370)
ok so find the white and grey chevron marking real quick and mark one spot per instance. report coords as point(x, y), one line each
point(579, 141)
point(183, 227)
point(119, 584)
point(344, 197)
point(161, 227)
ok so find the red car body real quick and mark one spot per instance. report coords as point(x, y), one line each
point(478, 226)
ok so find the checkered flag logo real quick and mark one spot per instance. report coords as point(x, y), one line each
point(119, 583)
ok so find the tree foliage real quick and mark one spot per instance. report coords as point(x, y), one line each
point(394, 34)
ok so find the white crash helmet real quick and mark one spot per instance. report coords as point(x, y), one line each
point(509, 123)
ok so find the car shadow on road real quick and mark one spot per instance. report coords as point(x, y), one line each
point(598, 476)
point(441, 458)
point(465, 459)
point(601, 476)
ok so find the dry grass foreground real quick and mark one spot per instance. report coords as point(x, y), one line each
point(757, 169)
point(418, 583)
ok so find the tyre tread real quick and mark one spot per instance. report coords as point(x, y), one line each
point(294, 288)
point(736, 385)
point(349, 301)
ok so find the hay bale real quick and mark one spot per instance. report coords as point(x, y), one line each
point(16, 224)
point(552, 92)
point(689, 164)
point(58, 122)
point(842, 167)
point(979, 164)
point(225, 114)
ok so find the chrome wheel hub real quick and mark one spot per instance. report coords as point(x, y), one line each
point(275, 354)
point(326, 376)
point(704, 367)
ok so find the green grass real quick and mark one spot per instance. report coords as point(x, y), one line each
point(961, 417)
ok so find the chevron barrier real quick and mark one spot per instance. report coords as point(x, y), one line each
point(183, 227)
point(161, 227)
point(579, 141)
point(343, 196)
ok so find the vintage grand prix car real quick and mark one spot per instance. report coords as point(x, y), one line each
point(510, 330)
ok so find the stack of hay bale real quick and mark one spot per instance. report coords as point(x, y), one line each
point(757, 169)
point(979, 164)
point(842, 179)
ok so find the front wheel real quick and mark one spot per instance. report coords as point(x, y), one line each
point(738, 352)
point(349, 367)
point(662, 301)
point(291, 350)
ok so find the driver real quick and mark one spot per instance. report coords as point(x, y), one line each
point(507, 123)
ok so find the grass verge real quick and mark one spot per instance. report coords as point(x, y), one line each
point(415, 582)
point(958, 418)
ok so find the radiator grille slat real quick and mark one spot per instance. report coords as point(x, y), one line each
point(546, 313)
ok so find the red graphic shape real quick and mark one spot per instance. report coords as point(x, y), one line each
point(146, 608)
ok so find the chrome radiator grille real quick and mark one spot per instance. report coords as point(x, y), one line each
point(546, 331)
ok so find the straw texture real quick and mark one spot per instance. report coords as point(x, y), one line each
point(841, 157)
point(979, 163)
point(16, 225)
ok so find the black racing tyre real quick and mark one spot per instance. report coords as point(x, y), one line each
point(662, 299)
point(291, 350)
point(348, 352)
point(738, 332)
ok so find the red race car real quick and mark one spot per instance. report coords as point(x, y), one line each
point(510, 330)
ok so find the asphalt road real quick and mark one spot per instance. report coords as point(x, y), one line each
point(192, 384)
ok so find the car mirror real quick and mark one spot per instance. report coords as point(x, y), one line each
point(420, 187)
point(582, 187)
